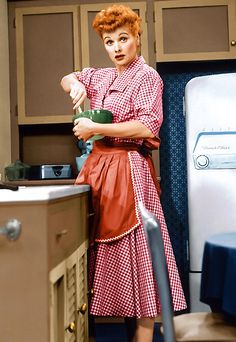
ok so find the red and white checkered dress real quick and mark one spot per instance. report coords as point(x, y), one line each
point(120, 268)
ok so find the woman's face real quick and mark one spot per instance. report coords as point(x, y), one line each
point(121, 46)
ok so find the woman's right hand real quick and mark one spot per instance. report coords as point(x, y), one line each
point(77, 90)
point(77, 93)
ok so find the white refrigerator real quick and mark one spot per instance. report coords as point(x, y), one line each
point(210, 109)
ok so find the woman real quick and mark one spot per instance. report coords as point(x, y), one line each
point(121, 173)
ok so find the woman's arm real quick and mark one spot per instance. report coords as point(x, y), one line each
point(85, 128)
point(77, 90)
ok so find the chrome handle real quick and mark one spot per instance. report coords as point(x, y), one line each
point(11, 230)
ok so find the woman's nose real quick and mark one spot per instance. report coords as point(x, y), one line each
point(117, 47)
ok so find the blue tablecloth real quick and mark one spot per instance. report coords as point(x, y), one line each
point(218, 284)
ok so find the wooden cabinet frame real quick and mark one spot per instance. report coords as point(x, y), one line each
point(57, 275)
point(227, 53)
point(23, 117)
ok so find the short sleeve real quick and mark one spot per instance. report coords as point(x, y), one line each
point(86, 77)
point(148, 103)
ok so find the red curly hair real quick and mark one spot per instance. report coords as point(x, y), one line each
point(115, 16)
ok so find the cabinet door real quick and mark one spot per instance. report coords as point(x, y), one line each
point(58, 288)
point(47, 48)
point(72, 297)
point(76, 296)
point(195, 30)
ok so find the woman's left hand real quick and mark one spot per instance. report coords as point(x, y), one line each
point(83, 128)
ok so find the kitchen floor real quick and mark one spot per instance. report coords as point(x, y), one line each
point(116, 333)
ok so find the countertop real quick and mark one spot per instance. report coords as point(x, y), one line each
point(56, 181)
point(41, 193)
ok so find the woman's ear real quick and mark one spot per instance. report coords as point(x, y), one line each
point(138, 40)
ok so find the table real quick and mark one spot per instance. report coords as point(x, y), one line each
point(218, 283)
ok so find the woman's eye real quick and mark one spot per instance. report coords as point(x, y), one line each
point(123, 39)
point(109, 42)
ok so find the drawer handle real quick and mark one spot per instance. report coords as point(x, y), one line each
point(71, 327)
point(61, 233)
point(83, 309)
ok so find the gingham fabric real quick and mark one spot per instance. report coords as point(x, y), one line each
point(135, 94)
point(120, 272)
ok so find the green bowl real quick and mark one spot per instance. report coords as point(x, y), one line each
point(96, 115)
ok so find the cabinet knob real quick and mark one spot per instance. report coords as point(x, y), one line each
point(11, 230)
point(91, 292)
point(233, 42)
point(71, 327)
point(91, 214)
point(83, 308)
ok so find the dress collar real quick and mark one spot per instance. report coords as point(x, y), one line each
point(128, 74)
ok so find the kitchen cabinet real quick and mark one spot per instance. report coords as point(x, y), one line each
point(191, 30)
point(47, 42)
point(47, 48)
point(43, 288)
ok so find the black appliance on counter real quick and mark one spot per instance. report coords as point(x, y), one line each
point(49, 171)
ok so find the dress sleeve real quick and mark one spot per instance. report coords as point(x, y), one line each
point(148, 103)
point(86, 76)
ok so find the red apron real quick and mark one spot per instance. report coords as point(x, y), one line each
point(107, 171)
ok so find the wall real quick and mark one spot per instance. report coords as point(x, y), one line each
point(5, 133)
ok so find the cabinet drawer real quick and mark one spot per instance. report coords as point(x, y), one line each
point(67, 228)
